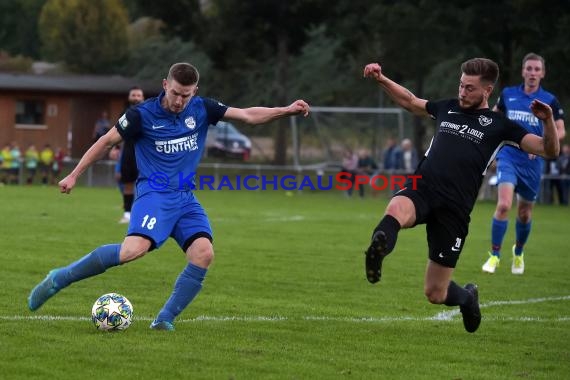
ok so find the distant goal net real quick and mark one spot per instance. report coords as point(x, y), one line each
point(328, 132)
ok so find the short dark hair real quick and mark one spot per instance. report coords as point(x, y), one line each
point(534, 57)
point(183, 73)
point(483, 67)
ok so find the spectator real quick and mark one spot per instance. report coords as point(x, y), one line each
point(389, 154)
point(6, 163)
point(366, 166)
point(57, 164)
point(406, 157)
point(31, 158)
point(349, 167)
point(46, 162)
point(102, 126)
point(16, 162)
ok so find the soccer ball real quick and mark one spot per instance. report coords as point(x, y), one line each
point(112, 312)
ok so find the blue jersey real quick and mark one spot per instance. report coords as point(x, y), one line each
point(168, 145)
point(515, 104)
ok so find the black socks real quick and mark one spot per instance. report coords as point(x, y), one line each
point(390, 226)
point(128, 202)
point(456, 295)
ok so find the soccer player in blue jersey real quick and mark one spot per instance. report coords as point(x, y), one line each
point(169, 133)
point(519, 172)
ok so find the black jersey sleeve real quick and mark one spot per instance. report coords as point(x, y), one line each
point(557, 111)
point(514, 132)
point(129, 125)
point(434, 107)
point(214, 109)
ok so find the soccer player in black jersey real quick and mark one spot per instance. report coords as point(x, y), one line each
point(468, 136)
point(128, 166)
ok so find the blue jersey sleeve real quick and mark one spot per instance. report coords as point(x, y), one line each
point(129, 125)
point(214, 109)
point(557, 112)
point(501, 103)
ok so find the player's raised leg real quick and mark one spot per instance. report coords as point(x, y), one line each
point(400, 213)
point(92, 264)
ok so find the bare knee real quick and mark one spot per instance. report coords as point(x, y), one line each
point(525, 215)
point(403, 210)
point(502, 210)
point(435, 295)
point(134, 247)
point(201, 252)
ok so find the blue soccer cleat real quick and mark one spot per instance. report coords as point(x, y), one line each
point(43, 291)
point(162, 325)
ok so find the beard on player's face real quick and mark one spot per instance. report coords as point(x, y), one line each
point(473, 104)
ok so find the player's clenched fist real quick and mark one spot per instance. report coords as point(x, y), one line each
point(299, 107)
point(373, 70)
point(66, 184)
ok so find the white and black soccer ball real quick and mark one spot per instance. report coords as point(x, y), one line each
point(111, 312)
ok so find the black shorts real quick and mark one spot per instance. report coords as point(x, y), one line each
point(129, 171)
point(446, 223)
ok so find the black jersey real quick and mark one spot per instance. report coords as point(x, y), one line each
point(464, 145)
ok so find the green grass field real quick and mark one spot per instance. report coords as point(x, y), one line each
point(286, 297)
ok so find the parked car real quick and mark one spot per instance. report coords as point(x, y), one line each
point(224, 140)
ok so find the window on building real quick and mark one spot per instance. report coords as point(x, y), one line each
point(30, 112)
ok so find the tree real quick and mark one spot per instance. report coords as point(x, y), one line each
point(89, 36)
point(19, 36)
point(152, 59)
point(250, 37)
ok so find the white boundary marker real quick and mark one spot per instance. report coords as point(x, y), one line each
point(442, 316)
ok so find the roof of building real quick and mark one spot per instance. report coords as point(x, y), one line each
point(109, 84)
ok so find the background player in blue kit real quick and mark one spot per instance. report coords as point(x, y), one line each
point(468, 136)
point(517, 171)
point(169, 132)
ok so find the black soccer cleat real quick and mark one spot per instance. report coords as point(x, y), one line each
point(471, 313)
point(374, 256)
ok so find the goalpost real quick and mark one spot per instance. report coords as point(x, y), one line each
point(329, 131)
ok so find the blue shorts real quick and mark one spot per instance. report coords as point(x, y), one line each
point(177, 214)
point(525, 180)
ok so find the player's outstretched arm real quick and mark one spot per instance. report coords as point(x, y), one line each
point(96, 152)
point(261, 115)
point(399, 94)
point(560, 129)
point(547, 146)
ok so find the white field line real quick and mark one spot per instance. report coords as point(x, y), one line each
point(449, 314)
point(442, 316)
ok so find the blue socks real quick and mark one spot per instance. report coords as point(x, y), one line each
point(522, 232)
point(187, 286)
point(94, 263)
point(498, 230)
